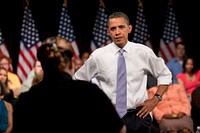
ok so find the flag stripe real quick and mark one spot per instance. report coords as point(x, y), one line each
point(4, 50)
point(75, 49)
point(21, 72)
point(100, 37)
point(66, 30)
point(141, 33)
point(28, 45)
point(171, 35)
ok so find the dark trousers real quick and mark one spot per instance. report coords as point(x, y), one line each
point(135, 124)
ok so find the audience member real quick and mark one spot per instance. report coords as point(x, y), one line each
point(175, 64)
point(140, 60)
point(84, 56)
point(60, 104)
point(78, 64)
point(189, 77)
point(8, 93)
point(33, 78)
point(6, 113)
point(195, 102)
point(173, 113)
point(13, 78)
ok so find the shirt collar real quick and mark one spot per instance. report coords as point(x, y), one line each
point(116, 48)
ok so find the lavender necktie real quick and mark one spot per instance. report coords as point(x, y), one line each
point(121, 105)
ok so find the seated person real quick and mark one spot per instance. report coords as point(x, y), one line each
point(173, 112)
point(35, 75)
point(13, 78)
point(189, 78)
point(175, 64)
point(8, 93)
point(195, 102)
point(78, 64)
point(6, 112)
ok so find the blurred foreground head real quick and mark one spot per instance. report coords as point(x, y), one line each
point(61, 42)
point(54, 60)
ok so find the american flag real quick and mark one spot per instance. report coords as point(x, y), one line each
point(4, 50)
point(28, 45)
point(66, 30)
point(100, 37)
point(171, 35)
point(141, 33)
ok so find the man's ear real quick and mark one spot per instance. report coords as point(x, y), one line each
point(108, 32)
point(130, 27)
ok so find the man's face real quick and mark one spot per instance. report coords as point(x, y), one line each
point(180, 51)
point(118, 30)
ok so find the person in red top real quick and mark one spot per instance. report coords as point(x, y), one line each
point(189, 78)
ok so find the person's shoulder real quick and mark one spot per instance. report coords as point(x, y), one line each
point(31, 74)
point(140, 49)
point(101, 50)
point(180, 75)
point(171, 61)
point(36, 89)
point(82, 83)
point(85, 86)
point(27, 98)
point(134, 44)
point(139, 46)
point(9, 106)
point(23, 95)
point(13, 75)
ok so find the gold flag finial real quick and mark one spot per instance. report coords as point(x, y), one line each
point(65, 2)
point(26, 2)
point(101, 1)
point(140, 3)
point(170, 2)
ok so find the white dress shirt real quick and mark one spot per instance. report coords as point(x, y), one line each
point(140, 59)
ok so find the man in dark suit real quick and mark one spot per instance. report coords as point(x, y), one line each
point(59, 104)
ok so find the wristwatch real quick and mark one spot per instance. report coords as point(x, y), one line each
point(159, 96)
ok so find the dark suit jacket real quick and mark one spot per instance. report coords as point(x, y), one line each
point(60, 104)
